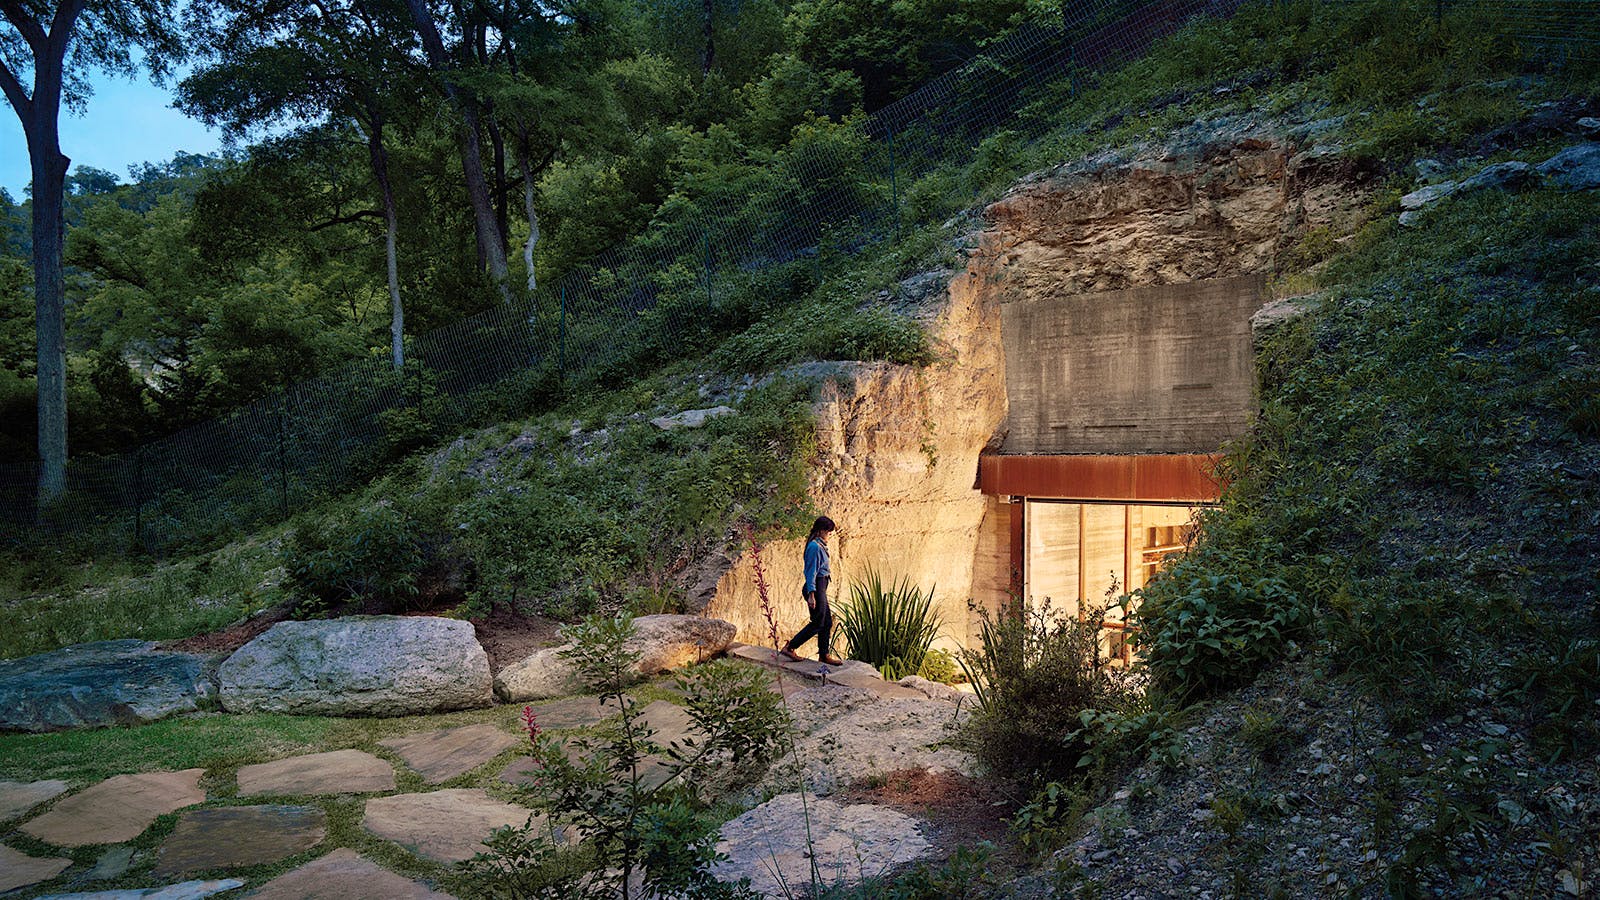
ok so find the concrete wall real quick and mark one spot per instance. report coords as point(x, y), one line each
point(1163, 369)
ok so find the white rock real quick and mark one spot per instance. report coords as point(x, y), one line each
point(361, 665)
point(1422, 197)
point(769, 846)
point(691, 418)
point(665, 643)
point(933, 690)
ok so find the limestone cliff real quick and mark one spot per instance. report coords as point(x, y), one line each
point(898, 445)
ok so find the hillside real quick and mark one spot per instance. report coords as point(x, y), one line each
point(1375, 670)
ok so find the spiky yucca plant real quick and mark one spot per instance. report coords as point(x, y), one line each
point(889, 625)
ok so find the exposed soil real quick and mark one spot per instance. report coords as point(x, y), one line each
point(508, 637)
point(961, 810)
point(234, 636)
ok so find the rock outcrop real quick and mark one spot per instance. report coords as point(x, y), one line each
point(103, 683)
point(665, 643)
point(777, 844)
point(359, 666)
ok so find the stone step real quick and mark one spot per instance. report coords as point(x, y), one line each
point(852, 673)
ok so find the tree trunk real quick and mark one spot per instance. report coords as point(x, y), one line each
point(49, 297)
point(502, 200)
point(491, 245)
point(526, 164)
point(380, 170)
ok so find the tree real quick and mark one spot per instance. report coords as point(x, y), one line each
point(325, 61)
point(57, 41)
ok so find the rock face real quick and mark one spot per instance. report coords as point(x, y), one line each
point(769, 845)
point(898, 445)
point(359, 666)
point(103, 683)
point(665, 643)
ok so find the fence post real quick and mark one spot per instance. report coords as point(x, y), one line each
point(705, 242)
point(283, 455)
point(561, 340)
point(138, 495)
point(894, 185)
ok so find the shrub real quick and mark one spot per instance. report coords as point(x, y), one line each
point(1202, 630)
point(390, 555)
point(891, 626)
point(1035, 675)
point(651, 839)
point(941, 666)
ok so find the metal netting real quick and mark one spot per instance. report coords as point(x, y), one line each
point(635, 305)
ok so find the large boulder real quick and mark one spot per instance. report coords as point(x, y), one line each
point(1575, 168)
point(359, 666)
point(665, 643)
point(103, 683)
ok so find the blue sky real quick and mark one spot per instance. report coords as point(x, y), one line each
point(127, 123)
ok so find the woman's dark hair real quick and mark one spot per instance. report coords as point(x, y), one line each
point(823, 523)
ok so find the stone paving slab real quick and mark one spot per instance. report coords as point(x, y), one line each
point(230, 836)
point(188, 890)
point(339, 772)
point(18, 869)
point(344, 875)
point(447, 826)
point(118, 809)
point(17, 797)
point(572, 712)
point(777, 844)
point(442, 755)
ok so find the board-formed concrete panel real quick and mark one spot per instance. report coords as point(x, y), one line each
point(1164, 369)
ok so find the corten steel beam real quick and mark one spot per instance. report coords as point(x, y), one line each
point(1153, 478)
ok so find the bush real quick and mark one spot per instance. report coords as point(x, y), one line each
point(391, 555)
point(1035, 675)
point(631, 830)
point(1202, 630)
point(941, 666)
point(891, 626)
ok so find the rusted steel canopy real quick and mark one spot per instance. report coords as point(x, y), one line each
point(1165, 477)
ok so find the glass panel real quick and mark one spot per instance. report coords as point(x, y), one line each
point(1104, 546)
point(1163, 531)
point(1052, 564)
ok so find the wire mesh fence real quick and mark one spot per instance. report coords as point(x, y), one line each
point(633, 305)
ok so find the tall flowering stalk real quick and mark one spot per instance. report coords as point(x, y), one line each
point(761, 587)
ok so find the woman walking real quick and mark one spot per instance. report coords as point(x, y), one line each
point(818, 574)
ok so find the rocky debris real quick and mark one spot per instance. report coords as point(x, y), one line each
point(103, 683)
point(359, 666)
point(769, 844)
point(1575, 168)
point(344, 875)
point(18, 869)
point(338, 772)
point(847, 734)
point(118, 809)
point(439, 756)
point(665, 643)
point(445, 826)
point(188, 890)
point(933, 690)
point(17, 797)
point(692, 418)
point(231, 836)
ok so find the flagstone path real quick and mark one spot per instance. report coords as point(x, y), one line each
point(339, 772)
point(446, 825)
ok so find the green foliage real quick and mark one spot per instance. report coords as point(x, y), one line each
point(968, 874)
point(941, 666)
point(1202, 631)
point(1035, 675)
point(389, 555)
point(1558, 689)
point(1050, 817)
point(889, 625)
point(630, 826)
point(1134, 728)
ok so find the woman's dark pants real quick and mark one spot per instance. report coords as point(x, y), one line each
point(821, 626)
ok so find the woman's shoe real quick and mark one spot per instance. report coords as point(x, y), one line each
point(787, 653)
point(833, 660)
